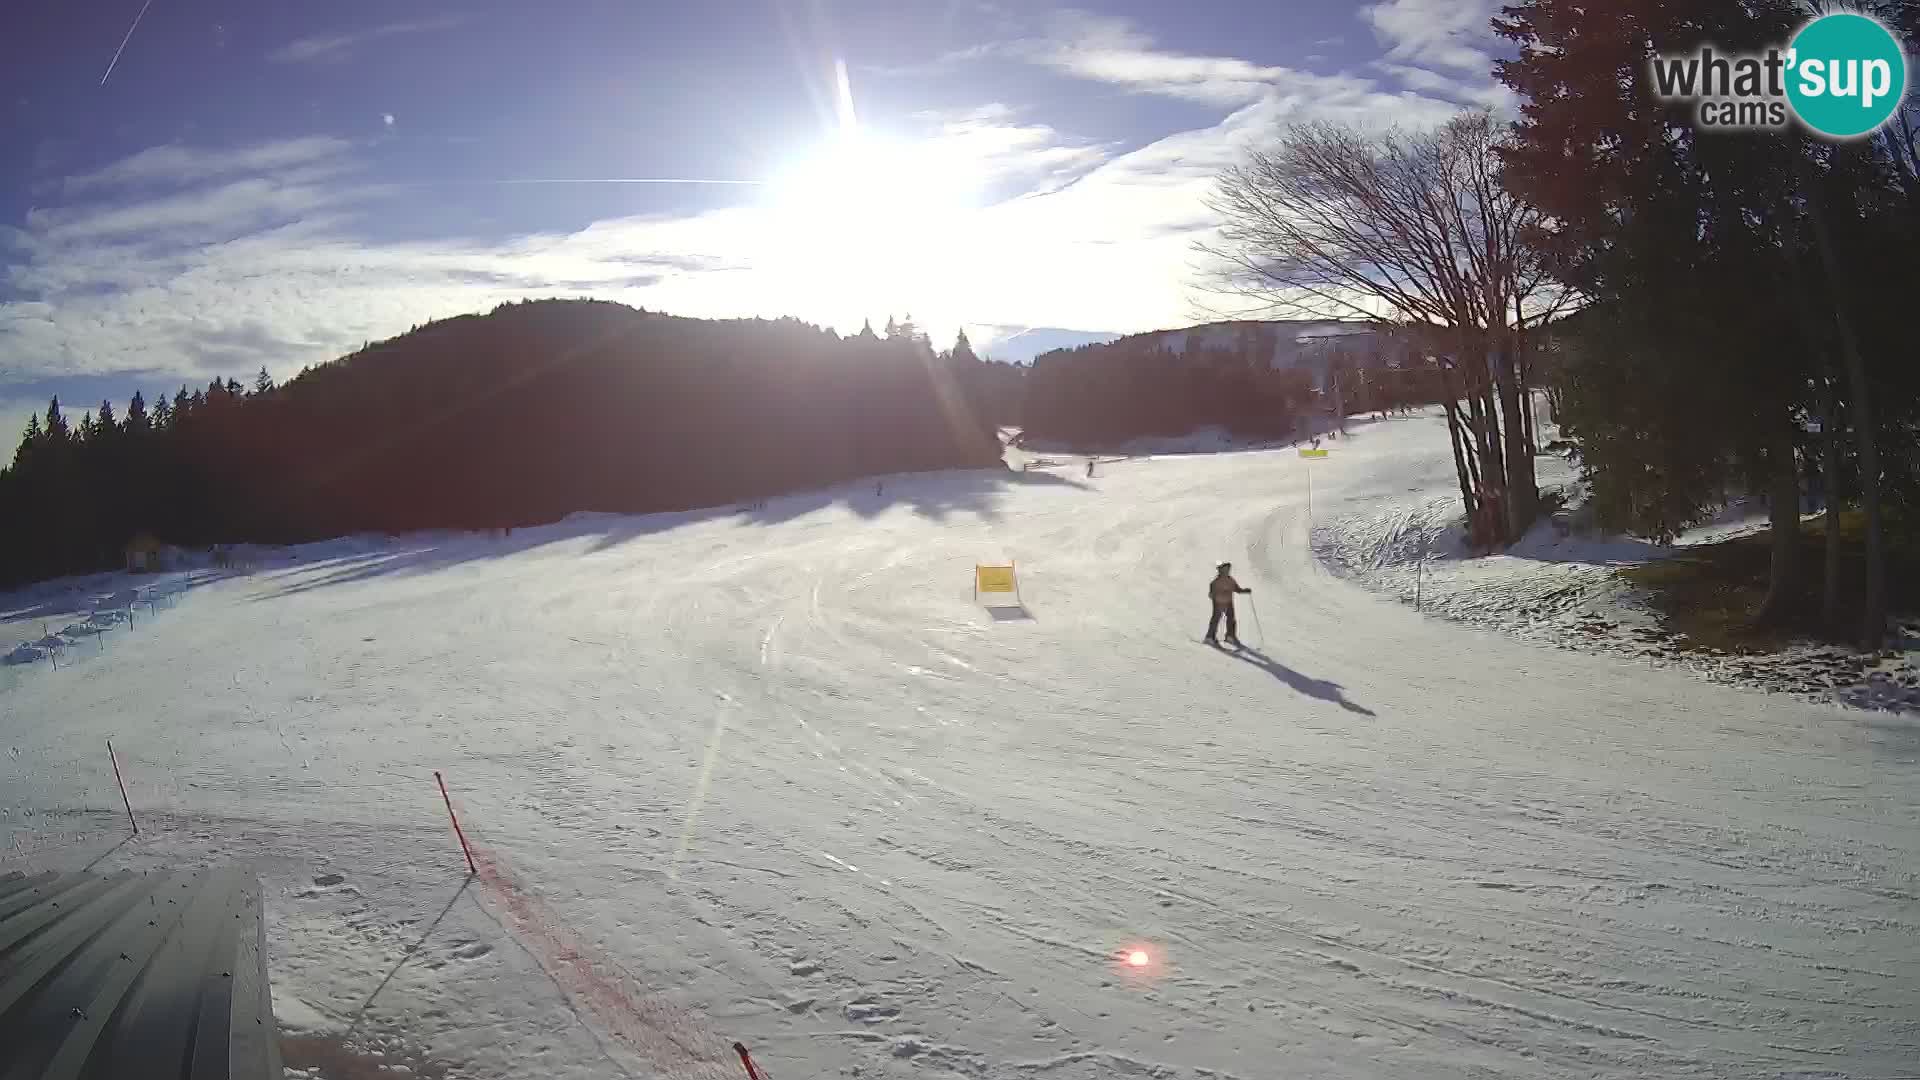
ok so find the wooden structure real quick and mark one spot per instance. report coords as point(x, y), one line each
point(145, 553)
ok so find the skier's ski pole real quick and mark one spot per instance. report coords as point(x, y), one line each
point(1261, 630)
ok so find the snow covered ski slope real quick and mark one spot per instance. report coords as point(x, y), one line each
point(772, 777)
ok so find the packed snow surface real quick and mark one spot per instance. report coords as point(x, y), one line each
point(772, 775)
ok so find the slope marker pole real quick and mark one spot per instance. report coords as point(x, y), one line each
point(451, 816)
point(124, 801)
point(747, 1060)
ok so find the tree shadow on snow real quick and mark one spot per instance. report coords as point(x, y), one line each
point(1323, 689)
point(429, 552)
point(1545, 542)
point(934, 495)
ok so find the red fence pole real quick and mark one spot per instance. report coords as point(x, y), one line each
point(747, 1060)
point(456, 824)
point(128, 803)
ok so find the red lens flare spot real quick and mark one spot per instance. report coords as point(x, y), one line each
point(1138, 958)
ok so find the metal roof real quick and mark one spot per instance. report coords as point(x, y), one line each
point(155, 975)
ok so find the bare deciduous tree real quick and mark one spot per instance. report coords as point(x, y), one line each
point(1414, 232)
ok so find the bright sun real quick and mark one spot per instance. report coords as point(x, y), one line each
point(875, 223)
point(861, 181)
point(869, 224)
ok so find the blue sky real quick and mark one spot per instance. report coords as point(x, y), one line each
point(271, 183)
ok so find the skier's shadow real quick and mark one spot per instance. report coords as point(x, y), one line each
point(1319, 688)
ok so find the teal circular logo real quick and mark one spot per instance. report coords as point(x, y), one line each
point(1846, 74)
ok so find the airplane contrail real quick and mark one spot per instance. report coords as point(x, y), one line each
point(124, 40)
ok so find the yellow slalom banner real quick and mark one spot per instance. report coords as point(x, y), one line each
point(1304, 452)
point(993, 579)
point(990, 578)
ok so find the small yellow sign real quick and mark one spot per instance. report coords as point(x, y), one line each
point(993, 578)
point(1304, 452)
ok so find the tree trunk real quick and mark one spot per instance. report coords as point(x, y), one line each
point(1830, 488)
point(1523, 495)
point(1526, 402)
point(1493, 464)
point(1532, 421)
point(1483, 419)
point(1472, 457)
point(1873, 606)
point(1795, 285)
point(1783, 512)
point(1454, 439)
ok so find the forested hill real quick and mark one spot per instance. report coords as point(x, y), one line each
point(1104, 394)
point(522, 415)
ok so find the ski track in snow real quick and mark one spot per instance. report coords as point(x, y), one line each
point(782, 782)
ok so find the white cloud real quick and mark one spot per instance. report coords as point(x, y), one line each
point(989, 143)
point(1112, 50)
point(220, 269)
point(191, 261)
point(1431, 82)
point(1492, 95)
point(234, 207)
point(1441, 47)
point(325, 47)
point(1454, 34)
point(1115, 51)
point(175, 164)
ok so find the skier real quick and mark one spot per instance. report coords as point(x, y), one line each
point(1089, 468)
point(1220, 590)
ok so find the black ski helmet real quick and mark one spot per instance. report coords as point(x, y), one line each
point(1224, 567)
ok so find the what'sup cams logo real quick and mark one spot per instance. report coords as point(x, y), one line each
point(1842, 76)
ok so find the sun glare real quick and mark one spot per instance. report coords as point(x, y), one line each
point(861, 179)
point(875, 222)
point(864, 223)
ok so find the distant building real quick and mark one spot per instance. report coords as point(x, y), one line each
point(145, 553)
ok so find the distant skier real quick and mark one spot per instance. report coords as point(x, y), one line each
point(1220, 590)
point(1089, 468)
